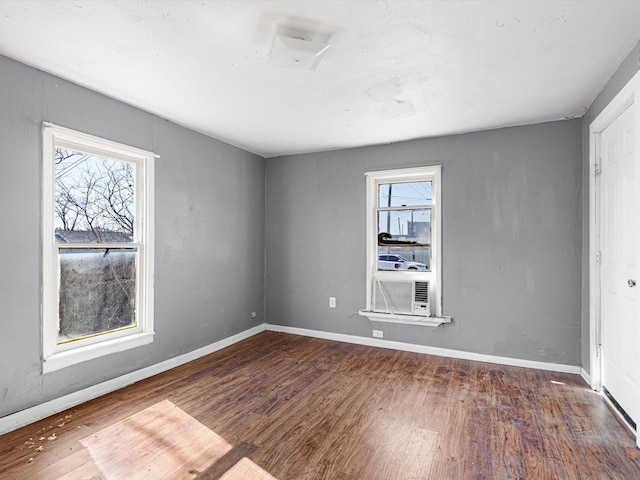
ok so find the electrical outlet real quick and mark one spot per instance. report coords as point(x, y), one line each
point(378, 333)
point(332, 302)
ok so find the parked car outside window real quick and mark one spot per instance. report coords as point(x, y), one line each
point(398, 262)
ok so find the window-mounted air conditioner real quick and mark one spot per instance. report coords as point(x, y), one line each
point(405, 297)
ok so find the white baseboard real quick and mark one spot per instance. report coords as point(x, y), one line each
point(442, 352)
point(585, 376)
point(44, 410)
point(38, 412)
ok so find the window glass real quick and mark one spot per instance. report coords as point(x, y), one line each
point(405, 232)
point(97, 291)
point(413, 225)
point(94, 198)
point(405, 194)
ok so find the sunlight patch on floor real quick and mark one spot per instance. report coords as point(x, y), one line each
point(160, 442)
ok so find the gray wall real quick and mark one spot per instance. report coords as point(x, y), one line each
point(622, 75)
point(209, 233)
point(515, 235)
point(512, 225)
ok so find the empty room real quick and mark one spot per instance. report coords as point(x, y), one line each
point(368, 240)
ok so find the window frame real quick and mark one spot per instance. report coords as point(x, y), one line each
point(59, 355)
point(431, 173)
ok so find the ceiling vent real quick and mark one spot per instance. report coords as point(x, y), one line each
point(296, 53)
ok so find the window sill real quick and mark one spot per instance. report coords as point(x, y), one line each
point(88, 352)
point(404, 319)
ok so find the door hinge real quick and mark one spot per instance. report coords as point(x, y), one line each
point(599, 167)
point(599, 257)
point(598, 350)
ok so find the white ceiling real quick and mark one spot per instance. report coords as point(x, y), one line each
point(395, 70)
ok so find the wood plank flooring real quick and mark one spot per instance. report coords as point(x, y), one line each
point(289, 407)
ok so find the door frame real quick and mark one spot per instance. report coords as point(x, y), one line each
point(628, 97)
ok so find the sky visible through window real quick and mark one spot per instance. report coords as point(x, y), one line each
point(405, 194)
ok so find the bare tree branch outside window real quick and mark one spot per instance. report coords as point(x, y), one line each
point(94, 194)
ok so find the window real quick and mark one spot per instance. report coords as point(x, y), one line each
point(97, 247)
point(403, 246)
point(403, 213)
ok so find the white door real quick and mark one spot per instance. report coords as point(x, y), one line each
point(619, 218)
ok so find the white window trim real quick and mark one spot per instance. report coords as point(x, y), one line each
point(434, 276)
point(54, 356)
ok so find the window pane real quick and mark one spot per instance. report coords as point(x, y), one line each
point(412, 225)
point(94, 198)
point(404, 235)
point(405, 194)
point(97, 291)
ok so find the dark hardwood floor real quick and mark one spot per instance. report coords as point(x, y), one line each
point(294, 407)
